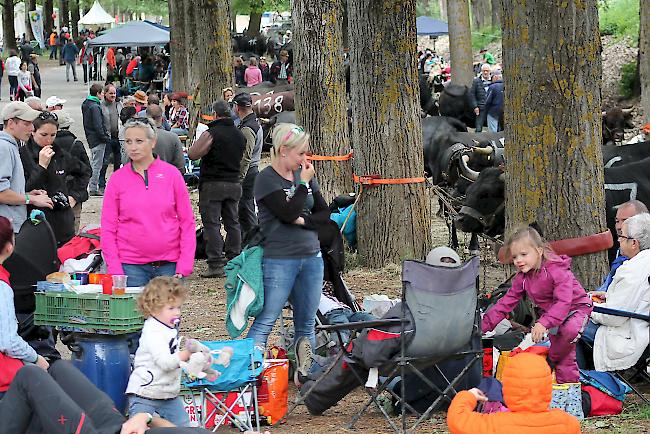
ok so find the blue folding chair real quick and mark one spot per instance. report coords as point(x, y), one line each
point(238, 376)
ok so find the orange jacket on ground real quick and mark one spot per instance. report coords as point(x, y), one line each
point(527, 389)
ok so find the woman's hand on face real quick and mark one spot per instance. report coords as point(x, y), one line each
point(307, 172)
point(45, 156)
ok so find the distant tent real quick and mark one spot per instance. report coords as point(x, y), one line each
point(133, 34)
point(428, 26)
point(96, 15)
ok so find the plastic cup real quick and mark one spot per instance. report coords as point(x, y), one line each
point(119, 284)
point(107, 285)
point(94, 278)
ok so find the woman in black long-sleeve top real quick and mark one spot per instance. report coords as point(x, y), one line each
point(47, 167)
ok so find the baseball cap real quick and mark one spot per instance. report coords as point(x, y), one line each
point(443, 256)
point(19, 110)
point(243, 100)
point(54, 101)
point(65, 120)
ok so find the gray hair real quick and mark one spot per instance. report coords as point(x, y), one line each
point(638, 228)
point(639, 207)
point(221, 108)
point(35, 102)
point(142, 123)
point(486, 65)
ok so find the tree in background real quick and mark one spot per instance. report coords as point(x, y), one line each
point(177, 44)
point(460, 42)
point(480, 13)
point(9, 31)
point(554, 176)
point(30, 5)
point(48, 21)
point(64, 14)
point(74, 17)
point(255, 8)
point(394, 221)
point(496, 10)
point(320, 89)
point(644, 59)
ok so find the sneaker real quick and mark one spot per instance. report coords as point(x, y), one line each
point(213, 272)
point(95, 193)
point(304, 355)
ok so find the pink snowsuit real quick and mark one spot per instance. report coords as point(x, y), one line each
point(564, 307)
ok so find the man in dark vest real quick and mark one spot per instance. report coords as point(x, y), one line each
point(221, 152)
point(252, 130)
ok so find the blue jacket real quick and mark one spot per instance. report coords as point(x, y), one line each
point(69, 52)
point(494, 100)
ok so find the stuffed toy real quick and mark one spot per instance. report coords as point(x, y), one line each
point(200, 367)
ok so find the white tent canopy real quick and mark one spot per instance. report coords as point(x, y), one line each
point(96, 15)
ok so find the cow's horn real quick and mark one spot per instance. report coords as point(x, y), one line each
point(469, 173)
point(485, 151)
point(627, 111)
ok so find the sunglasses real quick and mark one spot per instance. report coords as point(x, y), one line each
point(47, 115)
point(626, 237)
point(138, 121)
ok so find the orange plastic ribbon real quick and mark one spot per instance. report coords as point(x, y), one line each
point(377, 180)
point(315, 157)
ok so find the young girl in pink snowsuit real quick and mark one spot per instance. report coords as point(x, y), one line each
point(563, 306)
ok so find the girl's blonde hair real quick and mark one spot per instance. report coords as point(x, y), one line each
point(287, 135)
point(159, 292)
point(521, 232)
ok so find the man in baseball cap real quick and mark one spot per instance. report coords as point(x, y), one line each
point(54, 103)
point(17, 118)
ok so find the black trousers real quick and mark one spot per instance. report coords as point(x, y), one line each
point(247, 215)
point(62, 401)
point(88, 71)
point(112, 149)
point(219, 201)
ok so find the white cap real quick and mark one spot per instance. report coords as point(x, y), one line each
point(54, 101)
point(436, 256)
point(19, 110)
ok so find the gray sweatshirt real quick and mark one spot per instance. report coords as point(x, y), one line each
point(12, 177)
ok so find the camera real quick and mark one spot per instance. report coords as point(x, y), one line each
point(60, 201)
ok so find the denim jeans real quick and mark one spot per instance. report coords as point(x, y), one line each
point(53, 52)
point(298, 280)
point(96, 163)
point(343, 316)
point(169, 409)
point(218, 201)
point(13, 86)
point(141, 274)
point(247, 215)
point(114, 149)
point(493, 123)
point(68, 66)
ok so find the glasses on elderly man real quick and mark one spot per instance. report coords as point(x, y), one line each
point(626, 237)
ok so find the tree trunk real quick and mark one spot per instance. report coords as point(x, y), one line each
point(48, 21)
point(320, 89)
point(9, 32)
point(394, 220)
point(555, 166)
point(64, 13)
point(177, 45)
point(460, 42)
point(211, 68)
point(644, 59)
point(254, 23)
point(443, 8)
point(480, 13)
point(74, 13)
point(496, 13)
point(30, 5)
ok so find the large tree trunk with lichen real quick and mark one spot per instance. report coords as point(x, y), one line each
point(30, 5)
point(551, 53)
point(320, 89)
point(48, 21)
point(644, 59)
point(177, 45)
point(460, 42)
point(211, 66)
point(394, 221)
point(9, 31)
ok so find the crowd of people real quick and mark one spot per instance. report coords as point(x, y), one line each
point(256, 72)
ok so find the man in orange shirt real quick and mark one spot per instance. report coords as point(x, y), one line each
point(53, 44)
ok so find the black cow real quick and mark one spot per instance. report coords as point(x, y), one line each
point(620, 155)
point(614, 122)
point(254, 44)
point(265, 87)
point(484, 210)
point(454, 103)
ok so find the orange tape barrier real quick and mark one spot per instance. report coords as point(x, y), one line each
point(377, 180)
point(208, 117)
point(315, 157)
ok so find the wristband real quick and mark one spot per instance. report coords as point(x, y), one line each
point(305, 183)
point(149, 418)
point(26, 199)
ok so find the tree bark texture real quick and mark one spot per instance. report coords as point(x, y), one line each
point(48, 21)
point(443, 7)
point(211, 67)
point(480, 13)
point(320, 89)
point(64, 13)
point(177, 45)
point(644, 59)
point(460, 42)
point(30, 5)
point(74, 14)
point(254, 23)
point(552, 56)
point(497, 11)
point(394, 221)
point(9, 32)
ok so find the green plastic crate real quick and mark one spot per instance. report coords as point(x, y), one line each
point(94, 313)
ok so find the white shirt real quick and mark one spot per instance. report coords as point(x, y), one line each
point(12, 65)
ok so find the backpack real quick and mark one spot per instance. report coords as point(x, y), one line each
point(597, 403)
point(605, 382)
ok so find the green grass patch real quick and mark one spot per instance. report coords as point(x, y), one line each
point(626, 85)
point(481, 38)
point(619, 18)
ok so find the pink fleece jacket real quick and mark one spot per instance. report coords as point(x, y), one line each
point(148, 219)
point(252, 76)
point(553, 288)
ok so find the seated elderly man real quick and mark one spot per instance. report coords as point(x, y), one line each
point(618, 342)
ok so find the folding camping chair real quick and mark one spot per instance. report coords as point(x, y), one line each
point(439, 322)
point(232, 397)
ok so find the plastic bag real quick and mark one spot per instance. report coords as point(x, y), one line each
point(273, 390)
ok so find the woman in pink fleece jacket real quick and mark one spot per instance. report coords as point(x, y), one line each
point(148, 226)
point(253, 74)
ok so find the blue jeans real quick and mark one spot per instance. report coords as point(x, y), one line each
point(343, 316)
point(169, 409)
point(298, 280)
point(493, 123)
point(141, 274)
